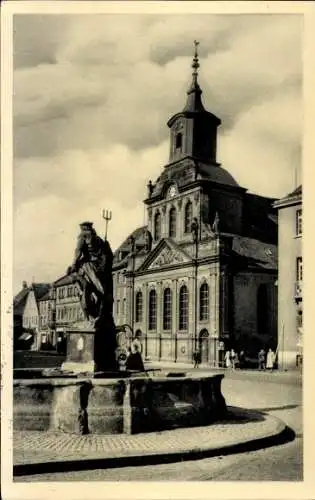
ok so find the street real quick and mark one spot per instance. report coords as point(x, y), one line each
point(277, 463)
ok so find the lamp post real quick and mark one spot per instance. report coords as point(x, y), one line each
point(132, 242)
point(195, 236)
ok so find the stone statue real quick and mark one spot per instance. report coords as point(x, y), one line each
point(92, 271)
point(195, 229)
point(215, 225)
point(150, 189)
point(148, 241)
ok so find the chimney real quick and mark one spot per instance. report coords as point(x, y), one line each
point(24, 285)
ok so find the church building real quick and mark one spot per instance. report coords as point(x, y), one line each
point(202, 273)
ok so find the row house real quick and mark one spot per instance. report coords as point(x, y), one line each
point(290, 282)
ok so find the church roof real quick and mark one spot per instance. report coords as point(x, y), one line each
point(125, 247)
point(255, 253)
point(216, 173)
point(189, 170)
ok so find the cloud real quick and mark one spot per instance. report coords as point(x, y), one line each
point(265, 140)
point(36, 38)
point(93, 93)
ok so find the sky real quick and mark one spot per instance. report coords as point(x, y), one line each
point(93, 93)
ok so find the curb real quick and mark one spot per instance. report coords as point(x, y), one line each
point(281, 435)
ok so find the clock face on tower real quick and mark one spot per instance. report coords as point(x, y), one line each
point(172, 191)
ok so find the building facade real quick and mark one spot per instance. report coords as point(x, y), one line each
point(31, 311)
point(290, 282)
point(201, 274)
point(47, 319)
point(68, 309)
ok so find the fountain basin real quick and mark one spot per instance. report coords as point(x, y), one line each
point(117, 405)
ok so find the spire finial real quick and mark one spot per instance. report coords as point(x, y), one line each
point(195, 64)
point(194, 102)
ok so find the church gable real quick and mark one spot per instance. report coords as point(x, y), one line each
point(165, 254)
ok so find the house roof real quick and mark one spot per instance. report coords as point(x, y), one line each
point(67, 279)
point(47, 296)
point(296, 191)
point(40, 289)
point(292, 198)
point(19, 301)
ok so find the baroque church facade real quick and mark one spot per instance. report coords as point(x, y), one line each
point(202, 273)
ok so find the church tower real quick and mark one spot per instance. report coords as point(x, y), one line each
point(192, 183)
point(193, 131)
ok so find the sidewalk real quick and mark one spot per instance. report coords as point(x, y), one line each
point(243, 430)
point(278, 376)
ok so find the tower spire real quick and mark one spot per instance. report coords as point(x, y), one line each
point(194, 103)
point(195, 65)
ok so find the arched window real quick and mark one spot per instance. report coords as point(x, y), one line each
point(157, 226)
point(167, 309)
point(152, 310)
point(138, 307)
point(204, 302)
point(183, 308)
point(172, 223)
point(262, 309)
point(179, 141)
point(188, 217)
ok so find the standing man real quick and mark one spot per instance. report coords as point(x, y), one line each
point(261, 360)
point(196, 358)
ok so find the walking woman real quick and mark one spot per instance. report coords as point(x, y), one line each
point(270, 360)
point(227, 359)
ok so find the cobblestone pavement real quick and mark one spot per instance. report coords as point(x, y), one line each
point(30, 447)
point(277, 463)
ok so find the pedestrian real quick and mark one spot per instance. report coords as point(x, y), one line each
point(196, 358)
point(134, 361)
point(236, 361)
point(227, 359)
point(270, 360)
point(242, 359)
point(233, 359)
point(261, 360)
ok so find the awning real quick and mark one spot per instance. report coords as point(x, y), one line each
point(25, 336)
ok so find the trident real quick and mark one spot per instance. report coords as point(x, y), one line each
point(107, 216)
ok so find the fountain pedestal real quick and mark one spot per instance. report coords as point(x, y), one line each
point(80, 350)
point(90, 349)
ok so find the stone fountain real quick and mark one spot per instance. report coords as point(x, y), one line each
point(89, 393)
